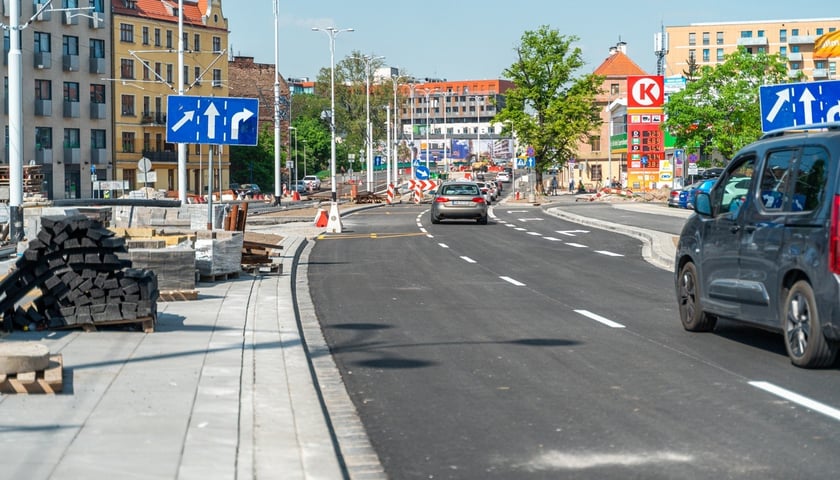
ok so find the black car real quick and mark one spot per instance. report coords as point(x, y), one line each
point(764, 245)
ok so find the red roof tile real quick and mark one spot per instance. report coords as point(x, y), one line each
point(619, 65)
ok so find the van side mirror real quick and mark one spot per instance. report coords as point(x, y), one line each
point(703, 204)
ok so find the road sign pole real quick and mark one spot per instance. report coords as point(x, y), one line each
point(210, 189)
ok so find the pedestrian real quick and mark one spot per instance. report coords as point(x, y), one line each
point(572, 185)
point(554, 185)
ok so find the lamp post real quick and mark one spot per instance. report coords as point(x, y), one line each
point(368, 60)
point(427, 91)
point(445, 139)
point(334, 223)
point(296, 157)
point(411, 133)
point(395, 79)
point(278, 180)
point(477, 129)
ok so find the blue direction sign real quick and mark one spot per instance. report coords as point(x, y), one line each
point(531, 162)
point(796, 104)
point(211, 120)
point(422, 173)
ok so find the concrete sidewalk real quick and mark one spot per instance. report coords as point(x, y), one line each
point(224, 388)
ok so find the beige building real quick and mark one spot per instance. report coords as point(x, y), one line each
point(66, 111)
point(707, 43)
point(145, 73)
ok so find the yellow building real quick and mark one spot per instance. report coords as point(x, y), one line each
point(708, 43)
point(145, 71)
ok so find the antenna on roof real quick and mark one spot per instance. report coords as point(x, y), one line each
point(660, 49)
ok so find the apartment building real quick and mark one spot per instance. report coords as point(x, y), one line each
point(456, 117)
point(66, 110)
point(145, 62)
point(707, 44)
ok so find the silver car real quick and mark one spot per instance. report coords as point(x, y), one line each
point(459, 200)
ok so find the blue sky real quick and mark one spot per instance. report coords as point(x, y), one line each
point(471, 40)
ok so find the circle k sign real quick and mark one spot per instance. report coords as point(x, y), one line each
point(645, 91)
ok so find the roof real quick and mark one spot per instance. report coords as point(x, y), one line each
point(194, 10)
point(619, 65)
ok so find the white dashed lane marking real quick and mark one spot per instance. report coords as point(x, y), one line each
point(443, 245)
point(468, 259)
point(609, 254)
point(798, 399)
point(599, 319)
point(512, 281)
point(576, 245)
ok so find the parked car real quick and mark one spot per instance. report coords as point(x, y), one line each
point(503, 177)
point(686, 197)
point(764, 245)
point(313, 182)
point(459, 200)
point(299, 186)
point(248, 189)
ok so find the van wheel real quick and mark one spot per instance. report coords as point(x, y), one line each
point(805, 343)
point(688, 295)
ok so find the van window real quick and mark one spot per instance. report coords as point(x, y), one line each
point(811, 178)
point(774, 179)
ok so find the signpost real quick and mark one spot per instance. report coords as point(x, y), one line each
point(796, 104)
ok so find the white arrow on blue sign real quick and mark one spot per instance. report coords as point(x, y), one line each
point(212, 120)
point(797, 104)
point(421, 173)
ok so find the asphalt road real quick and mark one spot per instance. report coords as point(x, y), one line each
point(536, 348)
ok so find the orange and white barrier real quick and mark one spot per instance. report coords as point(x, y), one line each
point(389, 198)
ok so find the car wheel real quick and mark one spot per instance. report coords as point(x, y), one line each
point(482, 220)
point(692, 316)
point(805, 343)
point(435, 220)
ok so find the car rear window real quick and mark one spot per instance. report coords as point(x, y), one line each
point(459, 190)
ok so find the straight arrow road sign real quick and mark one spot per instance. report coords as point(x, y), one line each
point(212, 120)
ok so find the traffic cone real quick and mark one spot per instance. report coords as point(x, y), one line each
point(321, 218)
point(296, 196)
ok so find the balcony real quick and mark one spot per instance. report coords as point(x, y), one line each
point(153, 118)
point(44, 156)
point(802, 39)
point(99, 155)
point(820, 73)
point(71, 109)
point(794, 57)
point(98, 65)
point(72, 155)
point(171, 156)
point(70, 63)
point(43, 108)
point(98, 111)
point(42, 60)
point(753, 41)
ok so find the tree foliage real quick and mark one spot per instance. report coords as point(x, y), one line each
point(720, 109)
point(550, 108)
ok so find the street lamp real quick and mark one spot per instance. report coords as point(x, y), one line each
point(296, 156)
point(445, 139)
point(411, 87)
point(427, 91)
point(395, 81)
point(334, 223)
point(368, 60)
point(477, 129)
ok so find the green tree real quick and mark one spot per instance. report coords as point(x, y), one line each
point(550, 109)
point(255, 164)
point(720, 109)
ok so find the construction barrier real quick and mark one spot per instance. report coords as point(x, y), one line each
point(390, 197)
point(321, 218)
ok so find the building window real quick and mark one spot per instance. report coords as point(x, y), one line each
point(43, 138)
point(169, 39)
point(69, 3)
point(783, 35)
point(71, 91)
point(794, 32)
point(197, 42)
point(158, 71)
point(127, 104)
point(127, 32)
point(820, 31)
point(98, 139)
point(72, 138)
point(70, 45)
point(706, 57)
point(692, 56)
point(706, 37)
point(126, 68)
point(98, 5)
point(147, 141)
point(128, 142)
point(97, 93)
point(761, 34)
point(147, 70)
point(692, 38)
point(217, 44)
point(157, 37)
point(169, 73)
point(97, 48)
point(746, 33)
point(794, 49)
point(42, 42)
point(197, 75)
point(615, 89)
point(719, 38)
point(832, 69)
point(719, 54)
point(783, 52)
point(186, 39)
point(217, 77)
point(145, 35)
point(186, 75)
point(596, 173)
point(595, 143)
point(43, 89)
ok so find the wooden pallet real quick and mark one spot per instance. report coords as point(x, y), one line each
point(49, 380)
point(218, 277)
point(146, 323)
point(263, 268)
point(177, 295)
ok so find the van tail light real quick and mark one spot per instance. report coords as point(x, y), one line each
point(834, 237)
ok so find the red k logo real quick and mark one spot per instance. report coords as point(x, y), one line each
point(645, 91)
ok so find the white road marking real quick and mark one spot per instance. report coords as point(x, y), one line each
point(576, 245)
point(517, 211)
point(428, 235)
point(571, 233)
point(531, 219)
point(536, 234)
point(468, 259)
point(609, 254)
point(443, 245)
point(515, 282)
point(520, 229)
point(423, 230)
point(553, 239)
point(510, 225)
point(798, 399)
point(599, 319)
